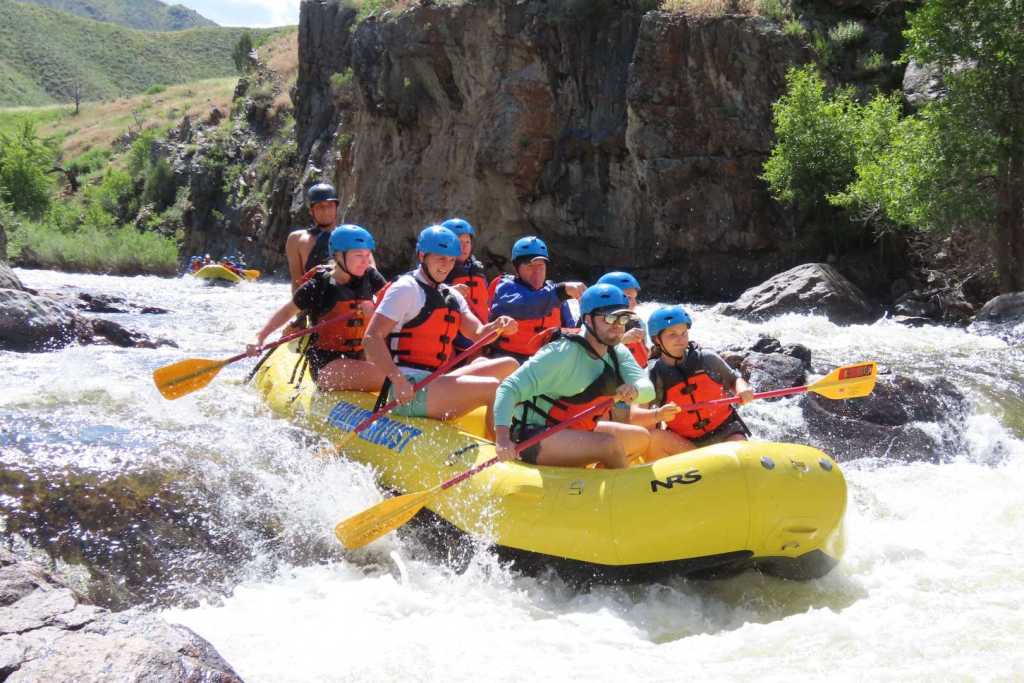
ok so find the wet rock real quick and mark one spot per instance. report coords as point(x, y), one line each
point(944, 303)
point(8, 280)
point(50, 633)
point(101, 303)
point(912, 320)
point(810, 288)
point(1003, 317)
point(904, 418)
point(768, 371)
point(29, 322)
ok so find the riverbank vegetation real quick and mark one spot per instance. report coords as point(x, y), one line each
point(957, 162)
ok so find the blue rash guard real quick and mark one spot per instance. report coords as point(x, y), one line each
point(518, 300)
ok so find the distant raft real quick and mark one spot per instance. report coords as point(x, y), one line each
point(714, 511)
point(215, 271)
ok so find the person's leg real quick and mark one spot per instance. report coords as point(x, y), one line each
point(348, 374)
point(455, 395)
point(499, 368)
point(634, 439)
point(577, 448)
point(665, 442)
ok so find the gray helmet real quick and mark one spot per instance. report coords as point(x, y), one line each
point(321, 192)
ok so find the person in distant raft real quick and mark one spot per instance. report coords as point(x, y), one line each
point(537, 304)
point(570, 375)
point(635, 338)
point(307, 248)
point(413, 333)
point(685, 374)
point(347, 286)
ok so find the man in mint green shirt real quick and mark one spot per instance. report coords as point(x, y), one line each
point(568, 376)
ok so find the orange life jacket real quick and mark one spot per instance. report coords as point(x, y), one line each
point(343, 335)
point(689, 383)
point(471, 274)
point(428, 340)
point(565, 407)
point(639, 351)
point(527, 340)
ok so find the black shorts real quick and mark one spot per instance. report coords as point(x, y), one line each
point(521, 432)
point(321, 358)
point(734, 425)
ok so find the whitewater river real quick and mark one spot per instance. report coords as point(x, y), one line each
point(931, 588)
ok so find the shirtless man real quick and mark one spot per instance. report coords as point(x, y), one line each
point(307, 248)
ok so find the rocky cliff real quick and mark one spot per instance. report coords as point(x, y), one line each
point(624, 136)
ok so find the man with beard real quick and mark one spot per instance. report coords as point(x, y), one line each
point(568, 376)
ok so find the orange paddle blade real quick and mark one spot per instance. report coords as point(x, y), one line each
point(181, 378)
point(849, 381)
point(389, 514)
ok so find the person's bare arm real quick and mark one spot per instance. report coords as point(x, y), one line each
point(375, 344)
point(283, 315)
point(294, 257)
point(473, 329)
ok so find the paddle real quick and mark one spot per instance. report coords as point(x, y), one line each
point(442, 369)
point(387, 515)
point(182, 378)
point(251, 273)
point(849, 381)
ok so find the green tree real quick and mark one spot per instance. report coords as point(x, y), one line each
point(241, 52)
point(815, 152)
point(24, 163)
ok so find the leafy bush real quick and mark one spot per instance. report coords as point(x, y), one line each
point(846, 34)
point(24, 163)
point(240, 53)
point(872, 61)
point(772, 9)
point(794, 28)
point(89, 162)
point(155, 89)
point(121, 250)
point(159, 188)
point(816, 150)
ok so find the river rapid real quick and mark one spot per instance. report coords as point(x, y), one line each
point(931, 586)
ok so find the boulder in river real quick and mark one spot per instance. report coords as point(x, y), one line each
point(8, 280)
point(50, 633)
point(810, 288)
point(30, 322)
point(768, 371)
point(904, 418)
point(1003, 317)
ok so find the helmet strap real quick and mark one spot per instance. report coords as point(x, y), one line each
point(341, 264)
point(592, 329)
point(426, 271)
point(664, 352)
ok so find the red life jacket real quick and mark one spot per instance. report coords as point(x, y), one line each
point(564, 407)
point(343, 335)
point(471, 274)
point(527, 340)
point(639, 351)
point(428, 340)
point(689, 383)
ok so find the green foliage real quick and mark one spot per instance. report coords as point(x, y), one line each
point(120, 250)
point(159, 188)
point(872, 61)
point(341, 80)
point(775, 10)
point(155, 89)
point(24, 163)
point(822, 47)
point(145, 15)
point(44, 54)
point(816, 149)
point(240, 53)
point(846, 34)
point(90, 161)
point(794, 28)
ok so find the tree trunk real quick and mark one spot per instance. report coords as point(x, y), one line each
point(1010, 225)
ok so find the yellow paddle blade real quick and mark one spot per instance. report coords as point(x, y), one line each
point(251, 273)
point(371, 524)
point(181, 378)
point(849, 381)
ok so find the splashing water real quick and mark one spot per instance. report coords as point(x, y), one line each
point(930, 587)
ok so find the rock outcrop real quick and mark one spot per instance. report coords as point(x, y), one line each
point(810, 288)
point(1002, 316)
point(8, 278)
point(30, 322)
point(50, 633)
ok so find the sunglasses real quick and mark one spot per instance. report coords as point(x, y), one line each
point(617, 318)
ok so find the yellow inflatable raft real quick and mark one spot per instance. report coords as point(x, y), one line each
point(717, 510)
point(216, 271)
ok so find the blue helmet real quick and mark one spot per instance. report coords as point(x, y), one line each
point(459, 226)
point(602, 296)
point(666, 317)
point(438, 239)
point(346, 237)
point(529, 247)
point(620, 279)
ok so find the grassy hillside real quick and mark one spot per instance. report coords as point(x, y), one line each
point(144, 15)
point(43, 53)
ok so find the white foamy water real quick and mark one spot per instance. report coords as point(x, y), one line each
point(930, 588)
